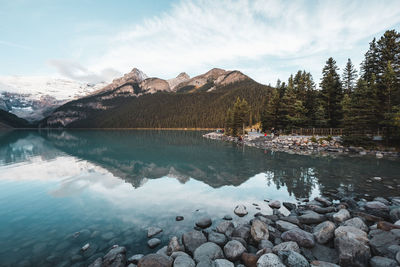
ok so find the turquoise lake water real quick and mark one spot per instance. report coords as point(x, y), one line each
point(110, 186)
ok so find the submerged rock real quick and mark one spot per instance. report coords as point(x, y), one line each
point(154, 242)
point(152, 231)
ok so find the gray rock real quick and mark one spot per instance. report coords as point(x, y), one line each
point(173, 246)
point(97, 263)
point(398, 257)
point(379, 261)
point(154, 242)
point(227, 217)
point(356, 222)
point(324, 232)
point(192, 240)
point(223, 263)
point(341, 215)
point(377, 208)
point(269, 260)
point(352, 246)
point(242, 231)
point(324, 253)
point(108, 236)
point(152, 231)
point(265, 244)
point(208, 250)
point(184, 261)
point(155, 260)
point(206, 263)
point(289, 206)
point(395, 214)
point(381, 241)
point(302, 238)
point(240, 210)
point(275, 204)
point(323, 201)
point(179, 218)
point(259, 230)
point(225, 227)
point(323, 264)
point(163, 251)
point(176, 254)
point(217, 238)
point(311, 217)
point(132, 265)
point(284, 226)
point(286, 246)
point(204, 222)
point(233, 250)
point(293, 259)
point(383, 200)
point(135, 258)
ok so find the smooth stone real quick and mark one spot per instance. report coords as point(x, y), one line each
point(311, 217)
point(289, 206)
point(155, 260)
point(341, 216)
point(242, 231)
point(265, 244)
point(377, 208)
point(184, 261)
point(108, 236)
point(173, 246)
point(225, 227)
point(115, 257)
point(135, 258)
point(324, 232)
point(383, 200)
point(152, 231)
point(163, 251)
point(324, 253)
point(284, 226)
point(269, 260)
point(352, 246)
point(378, 261)
point(233, 250)
point(395, 214)
point(302, 238)
point(275, 204)
point(356, 222)
point(240, 210)
point(227, 217)
point(154, 242)
point(192, 240)
point(259, 231)
point(398, 257)
point(249, 259)
point(208, 250)
point(223, 263)
point(179, 218)
point(217, 238)
point(204, 222)
point(86, 247)
point(323, 201)
point(286, 246)
point(293, 259)
point(381, 241)
point(176, 254)
point(206, 263)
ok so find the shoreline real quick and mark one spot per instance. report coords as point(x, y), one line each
point(325, 232)
point(302, 145)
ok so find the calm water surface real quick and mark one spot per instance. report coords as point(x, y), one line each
point(111, 185)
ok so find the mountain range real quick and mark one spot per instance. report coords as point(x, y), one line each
point(138, 101)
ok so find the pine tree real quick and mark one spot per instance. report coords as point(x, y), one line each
point(237, 118)
point(331, 93)
point(270, 115)
point(369, 66)
point(349, 77)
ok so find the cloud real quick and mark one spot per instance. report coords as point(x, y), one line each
point(75, 71)
point(275, 36)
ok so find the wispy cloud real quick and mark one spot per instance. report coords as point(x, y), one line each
point(276, 36)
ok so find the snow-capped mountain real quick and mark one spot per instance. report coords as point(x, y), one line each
point(34, 97)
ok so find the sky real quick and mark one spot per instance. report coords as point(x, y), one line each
point(98, 40)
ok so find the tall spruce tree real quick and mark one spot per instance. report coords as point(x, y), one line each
point(349, 77)
point(331, 93)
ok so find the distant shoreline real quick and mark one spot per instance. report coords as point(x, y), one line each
point(100, 129)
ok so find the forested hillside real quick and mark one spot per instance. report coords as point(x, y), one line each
point(9, 120)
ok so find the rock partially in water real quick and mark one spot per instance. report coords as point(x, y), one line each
point(115, 257)
point(154, 242)
point(204, 222)
point(324, 232)
point(302, 238)
point(227, 217)
point(153, 231)
point(240, 210)
point(259, 231)
point(275, 204)
point(269, 260)
point(233, 250)
point(179, 218)
point(173, 246)
point(192, 240)
point(155, 260)
point(208, 250)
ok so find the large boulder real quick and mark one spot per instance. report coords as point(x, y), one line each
point(259, 231)
point(381, 241)
point(352, 246)
point(233, 250)
point(324, 232)
point(208, 250)
point(192, 240)
point(301, 237)
point(377, 208)
point(269, 260)
point(155, 260)
point(356, 222)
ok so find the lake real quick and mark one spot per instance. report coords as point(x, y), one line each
point(62, 189)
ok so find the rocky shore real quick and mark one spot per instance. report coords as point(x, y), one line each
point(303, 145)
point(323, 232)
